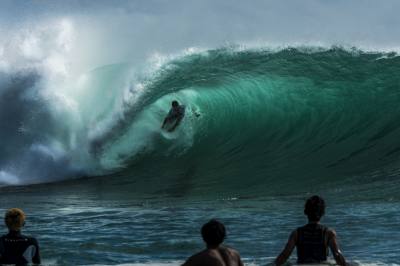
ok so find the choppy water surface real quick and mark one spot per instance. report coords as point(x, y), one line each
point(81, 225)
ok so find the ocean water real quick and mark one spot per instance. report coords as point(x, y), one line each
point(102, 184)
point(84, 223)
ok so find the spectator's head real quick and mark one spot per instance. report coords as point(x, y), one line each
point(14, 219)
point(314, 208)
point(175, 104)
point(213, 233)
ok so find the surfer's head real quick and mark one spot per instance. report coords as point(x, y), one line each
point(213, 233)
point(14, 219)
point(175, 104)
point(314, 208)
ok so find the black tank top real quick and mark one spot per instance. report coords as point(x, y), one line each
point(311, 244)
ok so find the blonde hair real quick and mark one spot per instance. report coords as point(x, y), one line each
point(14, 219)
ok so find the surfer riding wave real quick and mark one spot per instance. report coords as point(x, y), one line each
point(174, 117)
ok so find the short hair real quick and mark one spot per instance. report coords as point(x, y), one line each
point(175, 103)
point(14, 219)
point(314, 208)
point(213, 232)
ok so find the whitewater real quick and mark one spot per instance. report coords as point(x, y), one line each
point(82, 151)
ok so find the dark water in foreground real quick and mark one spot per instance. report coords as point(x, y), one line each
point(85, 223)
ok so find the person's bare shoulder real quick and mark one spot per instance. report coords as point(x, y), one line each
point(233, 254)
point(331, 233)
point(208, 257)
point(196, 259)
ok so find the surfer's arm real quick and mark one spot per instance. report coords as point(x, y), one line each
point(193, 261)
point(287, 251)
point(333, 245)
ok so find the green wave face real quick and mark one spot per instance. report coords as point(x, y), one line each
point(258, 122)
point(270, 122)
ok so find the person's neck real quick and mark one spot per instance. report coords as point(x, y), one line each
point(213, 246)
point(313, 222)
point(14, 231)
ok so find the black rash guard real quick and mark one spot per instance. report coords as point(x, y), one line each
point(312, 243)
point(18, 249)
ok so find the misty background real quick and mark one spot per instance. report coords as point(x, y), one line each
point(104, 32)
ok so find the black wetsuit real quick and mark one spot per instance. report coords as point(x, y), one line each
point(176, 113)
point(17, 249)
point(312, 243)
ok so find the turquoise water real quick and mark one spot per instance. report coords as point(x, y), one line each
point(275, 127)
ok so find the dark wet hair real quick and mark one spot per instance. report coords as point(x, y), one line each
point(213, 232)
point(314, 208)
point(175, 103)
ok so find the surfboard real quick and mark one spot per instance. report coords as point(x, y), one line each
point(169, 125)
point(169, 134)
